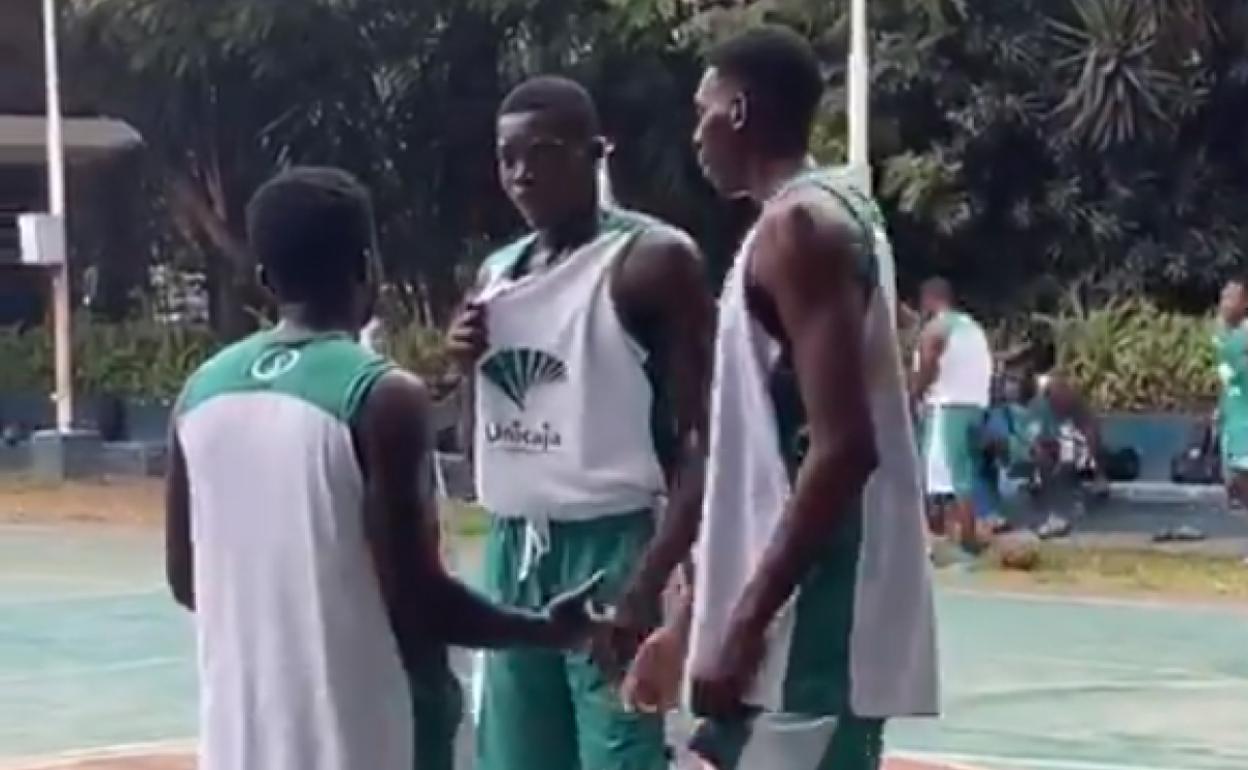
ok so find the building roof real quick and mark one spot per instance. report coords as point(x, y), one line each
point(23, 138)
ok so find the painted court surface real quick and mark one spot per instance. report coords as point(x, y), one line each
point(95, 662)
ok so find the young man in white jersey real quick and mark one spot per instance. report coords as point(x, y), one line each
point(302, 526)
point(812, 619)
point(589, 344)
point(951, 386)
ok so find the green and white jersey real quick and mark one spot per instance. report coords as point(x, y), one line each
point(299, 667)
point(859, 635)
point(565, 410)
point(964, 376)
point(1231, 348)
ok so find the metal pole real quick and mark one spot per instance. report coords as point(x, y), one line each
point(61, 309)
point(859, 91)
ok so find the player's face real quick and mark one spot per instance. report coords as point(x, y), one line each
point(546, 172)
point(720, 107)
point(1233, 305)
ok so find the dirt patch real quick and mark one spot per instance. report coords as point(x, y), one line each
point(129, 501)
point(1121, 573)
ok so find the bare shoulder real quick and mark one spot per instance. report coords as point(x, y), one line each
point(663, 249)
point(397, 396)
point(805, 232)
point(662, 263)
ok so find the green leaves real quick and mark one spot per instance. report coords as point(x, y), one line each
point(1116, 91)
point(1130, 355)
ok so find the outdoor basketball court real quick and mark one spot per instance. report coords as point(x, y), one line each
point(96, 662)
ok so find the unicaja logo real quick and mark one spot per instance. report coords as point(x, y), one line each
point(517, 371)
point(274, 363)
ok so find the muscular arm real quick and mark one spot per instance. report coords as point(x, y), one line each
point(425, 603)
point(932, 341)
point(179, 550)
point(663, 297)
point(804, 267)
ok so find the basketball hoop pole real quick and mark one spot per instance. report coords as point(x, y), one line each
point(859, 93)
point(61, 309)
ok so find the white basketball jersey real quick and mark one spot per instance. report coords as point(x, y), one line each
point(563, 403)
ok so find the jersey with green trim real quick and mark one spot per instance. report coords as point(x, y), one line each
point(564, 406)
point(858, 636)
point(964, 373)
point(299, 667)
point(1231, 347)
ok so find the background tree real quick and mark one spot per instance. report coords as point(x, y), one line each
point(1019, 146)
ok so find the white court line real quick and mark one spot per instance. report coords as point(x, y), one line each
point(84, 596)
point(976, 761)
point(1134, 668)
point(1235, 607)
point(121, 751)
point(84, 671)
point(1087, 686)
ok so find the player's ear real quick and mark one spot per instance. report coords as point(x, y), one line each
point(739, 112)
point(598, 147)
point(263, 280)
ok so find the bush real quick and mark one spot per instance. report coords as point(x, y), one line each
point(418, 349)
point(1129, 355)
point(148, 361)
point(138, 360)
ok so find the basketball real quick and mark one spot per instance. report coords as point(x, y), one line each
point(1016, 551)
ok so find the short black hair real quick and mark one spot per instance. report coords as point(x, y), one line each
point(779, 69)
point(311, 228)
point(567, 99)
point(938, 286)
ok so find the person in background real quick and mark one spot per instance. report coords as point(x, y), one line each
point(1065, 453)
point(951, 386)
point(1003, 448)
point(1231, 348)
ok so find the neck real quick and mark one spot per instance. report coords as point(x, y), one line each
point(301, 318)
point(571, 232)
point(765, 177)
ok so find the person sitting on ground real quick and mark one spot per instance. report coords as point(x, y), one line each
point(1003, 445)
point(1065, 452)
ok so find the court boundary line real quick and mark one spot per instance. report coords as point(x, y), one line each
point(982, 761)
point(1235, 606)
point(120, 751)
point(137, 664)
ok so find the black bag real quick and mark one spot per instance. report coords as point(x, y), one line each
point(1200, 462)
point(1122, 464)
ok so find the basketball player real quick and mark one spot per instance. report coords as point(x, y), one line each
point(952, 383)
point(298, 532)
point(812, 617)
point(589, 340)
point(1231, 344)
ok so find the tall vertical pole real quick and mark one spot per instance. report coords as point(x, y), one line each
point(859, 66)
point(61, 309)
point(859, 90)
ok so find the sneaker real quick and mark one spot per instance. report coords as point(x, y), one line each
point(1054, 527)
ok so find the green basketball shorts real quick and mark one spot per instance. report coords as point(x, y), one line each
point(550, 710)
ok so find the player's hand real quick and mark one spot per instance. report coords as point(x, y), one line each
point(652, 684)
point(468, 336)
point(719, 687)
point(625, 626)
point(568, 619)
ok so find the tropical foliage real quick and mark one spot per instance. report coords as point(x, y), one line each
point(1129, 355)
point(1018, 147)
point(140, 360)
